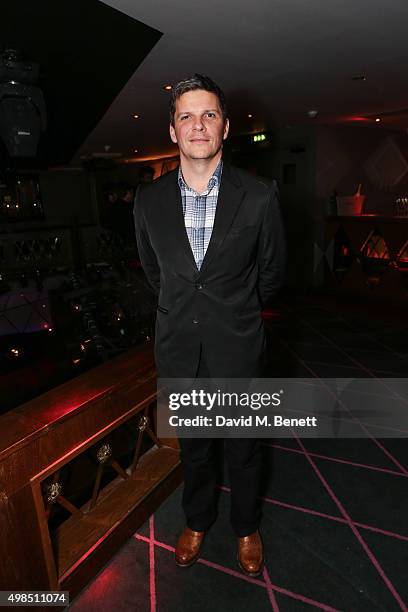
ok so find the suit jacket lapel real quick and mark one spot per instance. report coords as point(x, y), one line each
point(173, 219)
point(230, 196)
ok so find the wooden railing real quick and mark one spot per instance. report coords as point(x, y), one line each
point(81, 469)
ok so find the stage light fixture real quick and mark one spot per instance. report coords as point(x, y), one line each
point(22, 107)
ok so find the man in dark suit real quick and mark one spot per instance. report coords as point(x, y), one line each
point(211, 243)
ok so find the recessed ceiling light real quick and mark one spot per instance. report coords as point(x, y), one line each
point(249, 116)
point(378, 120)
point(136, 116)
point(167, 87)
point(135, 150)
point(312, 113)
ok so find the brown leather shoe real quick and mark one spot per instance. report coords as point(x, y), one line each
point(250, 554)
point(188, 547)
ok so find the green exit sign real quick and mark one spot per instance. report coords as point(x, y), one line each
point(258, 137)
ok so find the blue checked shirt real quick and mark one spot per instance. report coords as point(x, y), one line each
point(199, 213)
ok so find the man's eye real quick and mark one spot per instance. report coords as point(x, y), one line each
point(210, 114)
point(184, 117)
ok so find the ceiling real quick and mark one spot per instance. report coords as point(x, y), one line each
point(275, 59)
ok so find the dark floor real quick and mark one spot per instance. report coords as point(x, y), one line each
point(335, 512)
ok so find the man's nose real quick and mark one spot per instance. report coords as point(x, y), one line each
point(198, 124)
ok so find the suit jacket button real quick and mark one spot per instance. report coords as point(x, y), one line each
point(195, 321)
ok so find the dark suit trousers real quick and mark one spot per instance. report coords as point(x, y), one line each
point(243, 458)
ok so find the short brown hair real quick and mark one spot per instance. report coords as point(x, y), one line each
point(197, 81)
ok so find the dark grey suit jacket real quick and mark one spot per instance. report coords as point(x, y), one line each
point(220, 305)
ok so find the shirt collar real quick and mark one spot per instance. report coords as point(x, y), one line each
point(214, 180)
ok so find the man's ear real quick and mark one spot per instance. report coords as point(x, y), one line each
point(173, 134)
point(226, 129)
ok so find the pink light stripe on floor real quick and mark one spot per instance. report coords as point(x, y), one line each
point(354, 529)
point(337, 460)
point(271, 594)
point(152, 575)
point(368, 433)
point(390, 534)
point(231, 572)
point(330, 517)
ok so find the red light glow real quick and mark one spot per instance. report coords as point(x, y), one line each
point(358, 119)
point(271, 314)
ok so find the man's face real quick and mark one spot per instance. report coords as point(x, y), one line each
point(199, 128)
